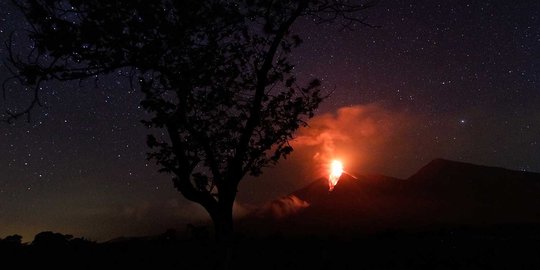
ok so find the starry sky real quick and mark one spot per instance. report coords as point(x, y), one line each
point(450, 79)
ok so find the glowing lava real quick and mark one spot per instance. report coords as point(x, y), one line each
point(336, 169)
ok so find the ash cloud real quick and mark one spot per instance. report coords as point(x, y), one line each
point(368, 139)
point(282, 207)
point(364, 137)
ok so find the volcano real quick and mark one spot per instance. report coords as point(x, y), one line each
point(443, 193)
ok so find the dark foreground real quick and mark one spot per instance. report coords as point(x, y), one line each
point(500, 247)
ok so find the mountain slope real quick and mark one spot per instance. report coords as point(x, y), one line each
point(441, 193)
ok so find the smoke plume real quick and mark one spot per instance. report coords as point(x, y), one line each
point(359, 135)
point(366, 138)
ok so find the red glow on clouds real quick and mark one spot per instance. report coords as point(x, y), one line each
point(365, 137)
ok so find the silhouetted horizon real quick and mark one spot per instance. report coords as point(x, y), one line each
point(451, 175)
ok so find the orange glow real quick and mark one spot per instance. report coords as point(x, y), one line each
point(336, 169)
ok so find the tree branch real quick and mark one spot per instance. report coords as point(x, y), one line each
point(235, 168)
point(182, 182)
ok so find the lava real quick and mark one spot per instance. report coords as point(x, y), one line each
point(336, 169)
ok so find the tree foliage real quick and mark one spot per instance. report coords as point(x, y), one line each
point(216, 76)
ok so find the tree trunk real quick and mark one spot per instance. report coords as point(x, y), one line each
point(224, 232)
point(223, 222)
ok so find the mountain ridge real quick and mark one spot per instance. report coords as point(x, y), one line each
point(441, 192)
point(440, 165)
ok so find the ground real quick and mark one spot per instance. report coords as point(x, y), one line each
point(496, 247)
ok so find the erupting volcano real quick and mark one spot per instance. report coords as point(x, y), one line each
point(442, 194)
point(336, 169)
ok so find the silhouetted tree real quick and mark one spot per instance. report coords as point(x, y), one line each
point(48, 240)
point(10, 244)
point(216, 77)
point(13, 239)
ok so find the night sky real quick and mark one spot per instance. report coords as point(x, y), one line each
point(449, 79)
